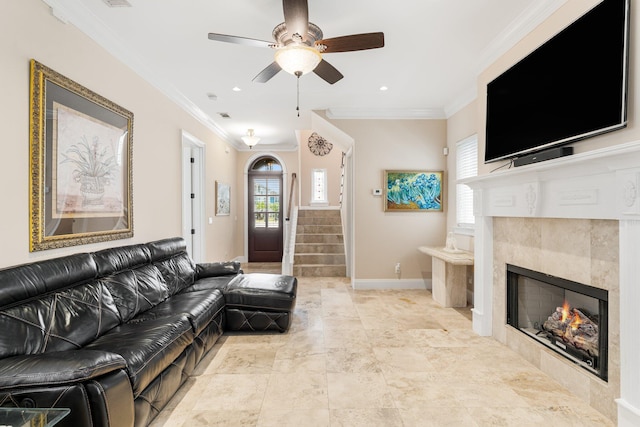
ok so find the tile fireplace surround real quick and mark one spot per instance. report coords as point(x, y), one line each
point(578, 218)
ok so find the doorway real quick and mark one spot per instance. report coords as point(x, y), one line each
point(193, 154)
point(265, 207)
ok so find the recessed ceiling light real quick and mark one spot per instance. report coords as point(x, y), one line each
point(383, 88)
point(212, 96)
point(236, 89)
point(117, 3)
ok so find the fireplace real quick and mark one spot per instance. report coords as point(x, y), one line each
point(568, 317)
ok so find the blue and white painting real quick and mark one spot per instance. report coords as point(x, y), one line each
point(413, 191)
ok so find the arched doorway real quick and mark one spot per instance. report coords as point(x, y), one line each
point(265, 210)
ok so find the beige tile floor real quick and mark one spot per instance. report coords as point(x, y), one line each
point(370, 358)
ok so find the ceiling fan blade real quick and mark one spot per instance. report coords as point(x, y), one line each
point(328, 72)
point(240, 40)
point(353, 42)
point(266, 74)
point(296, 17)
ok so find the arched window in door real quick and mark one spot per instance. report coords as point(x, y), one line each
point(265, 210)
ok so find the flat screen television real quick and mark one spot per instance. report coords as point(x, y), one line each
point(572, 87)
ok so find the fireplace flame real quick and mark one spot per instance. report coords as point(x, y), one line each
point(570, 317)
point(566, 311)
point(576, 321)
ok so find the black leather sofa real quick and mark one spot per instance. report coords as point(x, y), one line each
point(112, 335)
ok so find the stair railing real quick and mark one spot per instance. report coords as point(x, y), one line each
point(344, 155)
point(290, 225)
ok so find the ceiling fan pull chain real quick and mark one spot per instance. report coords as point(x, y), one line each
point(298, 74)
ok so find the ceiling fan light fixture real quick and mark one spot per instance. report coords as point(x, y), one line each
point(298, 59)
point(250, 139)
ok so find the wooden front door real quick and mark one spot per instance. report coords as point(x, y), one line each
point(265, 212)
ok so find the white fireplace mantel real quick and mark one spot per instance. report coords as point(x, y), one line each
point(599, 184)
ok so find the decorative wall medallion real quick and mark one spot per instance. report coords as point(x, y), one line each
point(629, 193)
point(318, 145)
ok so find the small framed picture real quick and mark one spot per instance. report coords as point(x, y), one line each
point(223, 199)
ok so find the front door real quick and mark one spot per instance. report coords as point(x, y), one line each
point(265, 211)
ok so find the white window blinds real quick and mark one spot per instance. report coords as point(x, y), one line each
point(466, 167)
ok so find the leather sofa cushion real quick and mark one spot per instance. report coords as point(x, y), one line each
point(200, 307)
point(217, 269)
point(135, 291)
point(57, 367)
point(58, 321)
point(179, 272)
point(148, 347)
point(173, 261)
point(32, 280)
point(166, 248)
point(112, 260)
point(208, 283)
point(262, 291)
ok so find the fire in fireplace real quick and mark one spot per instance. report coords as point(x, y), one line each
point(566, 316)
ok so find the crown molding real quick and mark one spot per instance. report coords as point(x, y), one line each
point(77, 14)
point(394, 113)
point(536, 13)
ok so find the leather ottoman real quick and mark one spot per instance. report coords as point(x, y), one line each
point(260, 302)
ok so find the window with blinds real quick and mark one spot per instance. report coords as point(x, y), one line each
point(466, 167)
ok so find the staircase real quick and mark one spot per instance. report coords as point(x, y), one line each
point(319, 248)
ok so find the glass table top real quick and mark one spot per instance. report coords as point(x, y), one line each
point(31, 417)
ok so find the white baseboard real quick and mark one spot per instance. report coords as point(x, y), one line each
point(362, 284)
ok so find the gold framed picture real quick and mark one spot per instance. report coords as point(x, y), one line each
point(81, 147)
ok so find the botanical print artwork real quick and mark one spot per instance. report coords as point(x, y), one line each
point(88, 166)
point(223, 199)
point(413, 191)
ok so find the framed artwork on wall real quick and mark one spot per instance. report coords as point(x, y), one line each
point(223, 199)
point(413, 191)
point(81, 147)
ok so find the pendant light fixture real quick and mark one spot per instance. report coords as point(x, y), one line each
point(250, 139)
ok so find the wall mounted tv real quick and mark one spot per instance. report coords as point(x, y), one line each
point(572, 87)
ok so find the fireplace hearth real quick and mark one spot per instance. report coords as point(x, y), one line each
point(565, 316)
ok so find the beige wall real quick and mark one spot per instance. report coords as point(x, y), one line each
point(568, 13)
point(222, 234)
point(308, 161)
point(384, 238)
point(30, 31)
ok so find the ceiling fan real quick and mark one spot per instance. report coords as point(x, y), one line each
point(299, 45)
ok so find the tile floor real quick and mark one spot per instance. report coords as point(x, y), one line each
point(370, 358)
